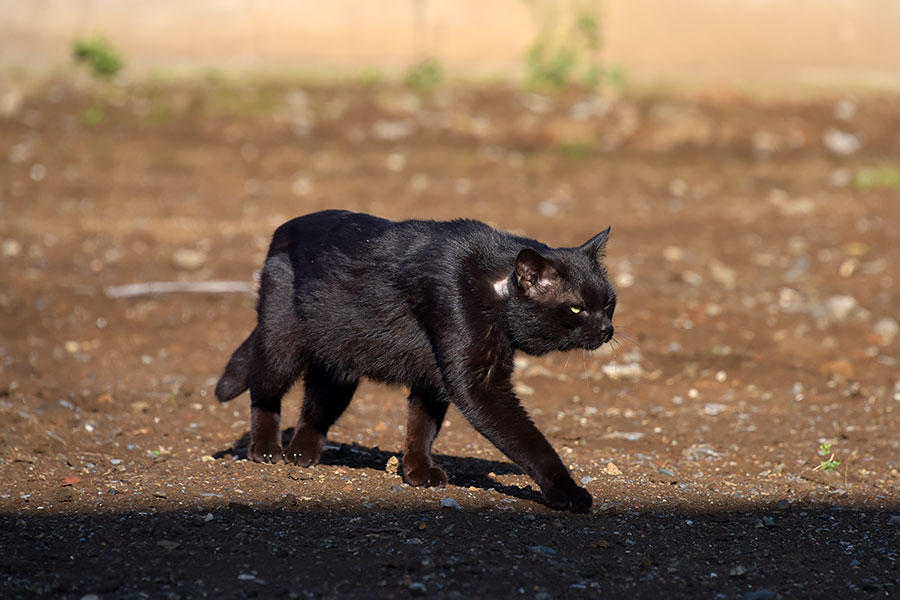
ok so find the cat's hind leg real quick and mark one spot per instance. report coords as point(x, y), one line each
point(324, 400)
point(426, 413)
point(275, 358)
point(267, 387)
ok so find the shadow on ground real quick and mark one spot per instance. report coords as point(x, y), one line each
point(350, 552)
point(462, 471)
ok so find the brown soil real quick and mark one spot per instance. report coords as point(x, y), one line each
point(757, 275)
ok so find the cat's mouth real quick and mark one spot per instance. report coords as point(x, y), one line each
point(598, 341)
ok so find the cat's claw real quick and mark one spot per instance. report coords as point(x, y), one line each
point(264, 452)
point(300, 458)
point(428, 477)
point(576, 500)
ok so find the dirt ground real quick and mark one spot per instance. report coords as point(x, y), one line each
point(755, 253)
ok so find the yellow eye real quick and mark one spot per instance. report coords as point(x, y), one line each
point(576, 309)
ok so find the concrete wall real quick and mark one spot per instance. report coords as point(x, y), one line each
point(787, 44)
point(790, 43)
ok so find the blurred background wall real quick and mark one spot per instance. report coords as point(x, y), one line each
point(784, 44)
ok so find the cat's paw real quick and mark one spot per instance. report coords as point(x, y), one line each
point(301, 458)
point(303, 453)
point(264, 452)
point(575, 499)
point(427, 477)
point(305, 450)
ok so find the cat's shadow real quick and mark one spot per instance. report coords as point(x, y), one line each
point(462, 471)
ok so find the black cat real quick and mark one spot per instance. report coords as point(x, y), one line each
point(439, 307)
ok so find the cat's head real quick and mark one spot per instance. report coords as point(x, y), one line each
point(560, 299)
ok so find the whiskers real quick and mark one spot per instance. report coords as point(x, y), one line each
point(617, 343)
point(586, 377)
point(616, 348)
point(620, 338)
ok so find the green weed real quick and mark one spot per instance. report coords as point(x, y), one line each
point(104, 60)
point(829, 464)
point(565, 53)
point(549, 66)
point(249, 101)
point(576, 149)
point(425, 76)
point(878, 178)
point(371, 76)
point(92, 115)
point(614, 76)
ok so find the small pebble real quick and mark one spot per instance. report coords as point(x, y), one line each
point(764, 522)
point(38, 172)
point(839, 308)
point(886, 330)
point(11, 248)
point(417, 588)
point(544, 550)
point(738, 571)
point(714, 408)
point(841, 142)
point(699, 452)
point(844, 110)
point(450, 503)
point(612, 469)
point(395, 162)
point(188, 258)
point(302, 186)
point(393, 466)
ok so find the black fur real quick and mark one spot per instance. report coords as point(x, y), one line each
point(438, 307)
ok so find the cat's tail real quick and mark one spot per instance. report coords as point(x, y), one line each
point(235, 379)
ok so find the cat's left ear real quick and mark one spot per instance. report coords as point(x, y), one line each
point(596, 246)
point(534, 274)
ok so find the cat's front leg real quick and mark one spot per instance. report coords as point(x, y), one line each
point(500, 417)
point(426, 413)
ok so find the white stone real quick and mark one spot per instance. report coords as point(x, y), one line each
point(886, 330)
point(841, 142)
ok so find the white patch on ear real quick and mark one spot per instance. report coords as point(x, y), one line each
point(502, 287)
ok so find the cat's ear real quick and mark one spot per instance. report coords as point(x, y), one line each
point(534, 273)
point(596, 246)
